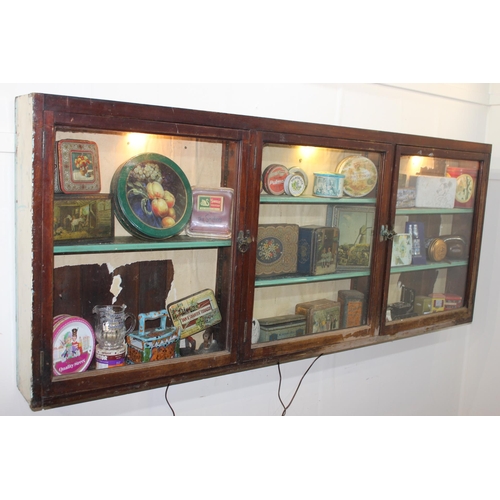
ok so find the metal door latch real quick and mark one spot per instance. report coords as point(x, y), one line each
point(386, 233)
point(244, 241)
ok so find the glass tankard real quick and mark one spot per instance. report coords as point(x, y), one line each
point(110, 325)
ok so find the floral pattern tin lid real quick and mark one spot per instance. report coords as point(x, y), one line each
point(152, 196)
point(360, 175)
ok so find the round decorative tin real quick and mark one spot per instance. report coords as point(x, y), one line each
point(298, 170)
point(273, 179)
point(360, 175)
point(294, 185)
point(73, 345)
point(436, 249)
point(152, 196)
point(328, 185)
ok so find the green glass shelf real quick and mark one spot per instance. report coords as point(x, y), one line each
point(131, 244)
point(294, 279)
point(429, 266)
point(433, 211)
point(318, 200)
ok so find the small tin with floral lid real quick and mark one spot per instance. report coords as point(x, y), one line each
point(294, 185)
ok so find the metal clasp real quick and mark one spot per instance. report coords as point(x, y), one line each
point(386, 233)
point(244, 241)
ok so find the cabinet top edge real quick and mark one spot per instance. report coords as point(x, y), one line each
point(171, 114)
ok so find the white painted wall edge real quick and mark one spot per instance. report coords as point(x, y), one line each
point(478, 93)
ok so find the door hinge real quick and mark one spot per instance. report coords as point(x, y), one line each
point(42, 362)
point(245, 332)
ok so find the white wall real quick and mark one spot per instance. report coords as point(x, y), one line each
point(450, 372)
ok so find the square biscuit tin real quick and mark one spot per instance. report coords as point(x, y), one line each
point(277, 247)
point(322, 315)
point(317, 250)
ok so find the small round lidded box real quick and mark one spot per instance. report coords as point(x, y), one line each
point(328, 185)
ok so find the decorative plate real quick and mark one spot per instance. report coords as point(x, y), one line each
point(73, 345)
point(360, 175)
point(152, 196)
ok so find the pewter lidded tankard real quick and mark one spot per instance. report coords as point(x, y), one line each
point(111, 325)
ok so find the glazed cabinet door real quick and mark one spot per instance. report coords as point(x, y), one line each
point(319, 261)
point(437, 214)
point(132, 222)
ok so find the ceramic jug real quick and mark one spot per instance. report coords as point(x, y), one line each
point(111, 325)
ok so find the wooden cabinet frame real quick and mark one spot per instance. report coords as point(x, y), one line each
point(242, 139)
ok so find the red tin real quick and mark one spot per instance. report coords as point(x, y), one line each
point(273, 179)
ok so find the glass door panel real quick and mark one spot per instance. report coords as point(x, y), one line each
point(154, 238)
point(316, 233)
point(431, 236)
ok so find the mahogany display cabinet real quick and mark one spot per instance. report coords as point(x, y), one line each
point(338, 238)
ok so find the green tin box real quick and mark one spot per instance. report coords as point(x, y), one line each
point(282, 327)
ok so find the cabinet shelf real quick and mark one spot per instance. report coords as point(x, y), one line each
point(314, 200)
point(131, 244)
point(294, 279)
point(429, 266)
point(433, 211)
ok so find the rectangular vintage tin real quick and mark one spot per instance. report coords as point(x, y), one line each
point(318, 248)
point(352, 308)
point(83, 217)
point(77, 169)
point(277, 248)
point(437, 302)
point(406, 197)
point(452, 301)
point(434, 192)
point(422, 305)
point(282, 327)
point(212, 213)
point(195, 313)
point(322, 315)
point(155, 344)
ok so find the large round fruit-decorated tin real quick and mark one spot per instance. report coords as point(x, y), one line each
point(73, 345)
point(152, 197)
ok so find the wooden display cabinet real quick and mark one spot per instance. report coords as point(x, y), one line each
point(68, 275)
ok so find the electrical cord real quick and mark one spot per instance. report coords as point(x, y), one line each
point(285, 408)
point(166, 399)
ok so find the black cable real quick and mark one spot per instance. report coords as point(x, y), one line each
point(166, 399)
point(285, 408)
